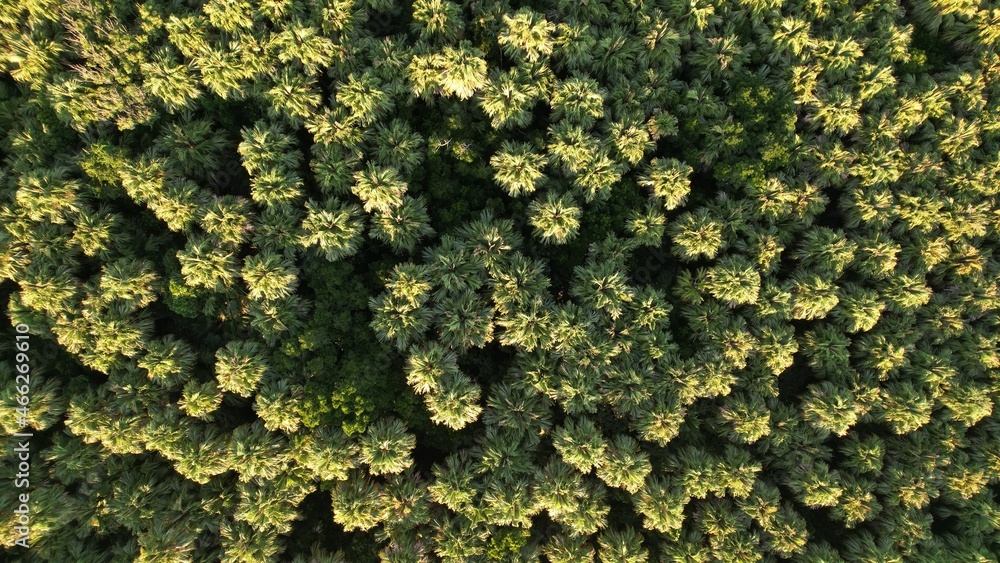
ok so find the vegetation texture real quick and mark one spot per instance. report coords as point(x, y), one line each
point(502, 280)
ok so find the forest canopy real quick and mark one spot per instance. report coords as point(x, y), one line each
point(497, 280)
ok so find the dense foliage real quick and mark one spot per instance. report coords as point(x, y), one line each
point(493, 280)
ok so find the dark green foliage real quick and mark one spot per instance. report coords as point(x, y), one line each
point(507, 544)
point(347, 370)
point(359, 281)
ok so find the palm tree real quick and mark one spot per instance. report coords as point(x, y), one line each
point(242, 542)
point(437, 20)
point(905, 292)
point(815, 484)
point(812, 296)
point(571, 147)
point(519, 407)
point(968, 401)
point(527, 326)
point(404, 226)
point(592, 513)
point(269, 276)
point(332, 163)
point(379, 188)
point(509, 502)
point(294, 97)
point(615, 52)
point(517, 168)
point(621, 546)
point(625, 466)
point(464, 321)
point(180, 204)
point(456, 402)
point(386, 447)
point(228, 219)
point(459, 539)
point(221, 72)
point(505, 454)
point(580, 444)
point(603, 287)
point(748, 415)
point(52, 290)
point(578, 100)
point(738, 472)
point(904, 406)
point(733, 280)
point(277, 404)
point(96, 231)
point(49, 194)
point(561, 489)
point(631, 140)
point(910, 528)
point(492, 241)
point(862, 454)
point(408, 508)
point(556, 219)
point(201, 399)
point(301, 43)
point(463, 70)
point(563, 548)
point(787, 532)
point(398, 146)
point(509, 97)
point(193, 147)
point(881, 355)
point(454, 266)
point(517, 283)
point(268, 145)
point(858, 502)
point(239, 366)
point(527, 36)
point(719, 57)
point(598, 177)
point(776, 346)
point(648, 225)
point(453, 71)
point(365, 97)
point(837, 111)
point(256, 453)
point(325, 451)
point(660, 419)
point(661, 504)
point(276, 229)
point(577, 388)
point(862, 546)
point(825, 251)
point(334, 228)
point(454, 484)
point(827, 350)
point(171, 81)
point(669, 181)
point(427, 364)
point(273, 186)
point(398, 320)
point(271, 505)
point(876, 256)
point(358, 503)
point(696, 234)
point(168, 360)
point(410, 283)
point(858, 308)
point(831, 408)
point(277, 318)
point(575, 41)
